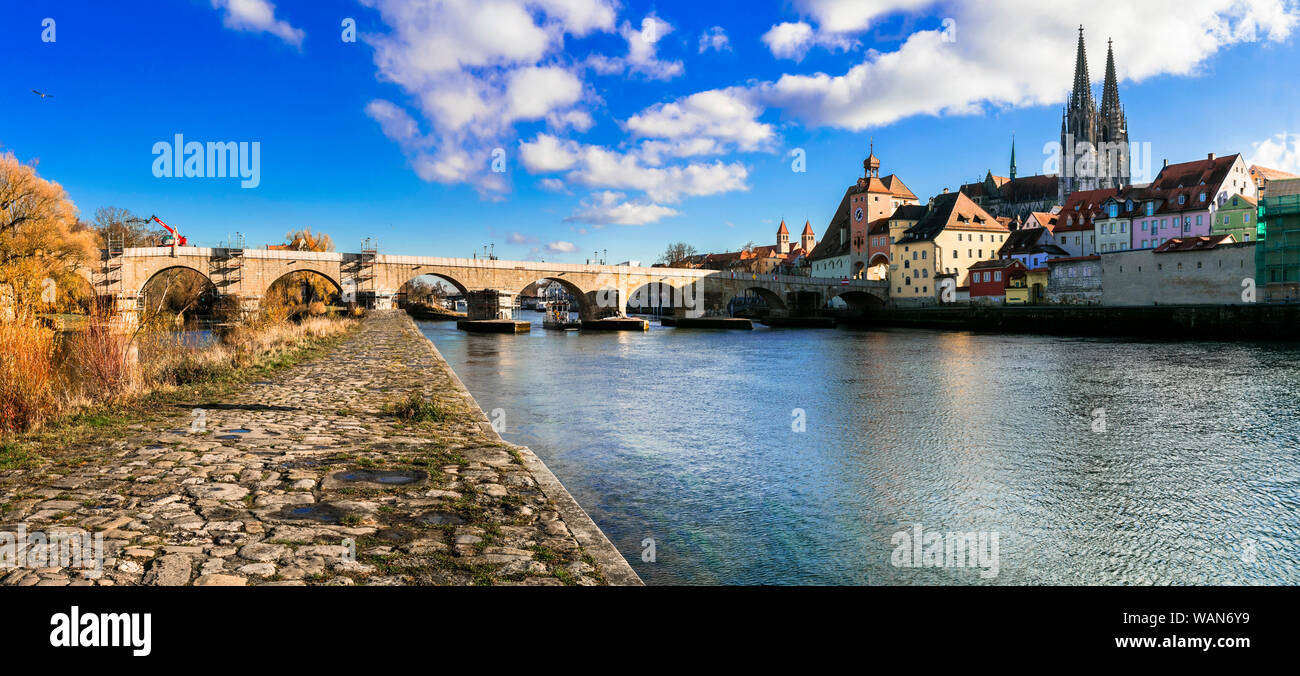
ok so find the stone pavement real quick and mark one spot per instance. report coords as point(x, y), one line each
point(307, 478)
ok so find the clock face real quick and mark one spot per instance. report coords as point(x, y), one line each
point(857, 215)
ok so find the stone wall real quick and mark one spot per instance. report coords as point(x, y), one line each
point(1211, 276)
point(1075, 282)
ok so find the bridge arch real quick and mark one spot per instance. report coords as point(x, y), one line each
point(857, 300)
point(656, 296)
point(404, 290)
point(152, 297)
point(588, 301)
point(305, 281)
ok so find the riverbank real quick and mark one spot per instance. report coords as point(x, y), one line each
point(1199, 322)
point(310, 477)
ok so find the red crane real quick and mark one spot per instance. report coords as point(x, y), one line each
point(176, 236)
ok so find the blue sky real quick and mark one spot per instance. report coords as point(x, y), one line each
point(623, 126)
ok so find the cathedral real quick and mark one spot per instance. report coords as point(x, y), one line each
point(1094, 152)
point(1094, 139)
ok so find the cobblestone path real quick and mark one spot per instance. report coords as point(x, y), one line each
point(308, 479)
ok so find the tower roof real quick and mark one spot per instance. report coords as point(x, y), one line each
point(1110, 90)
point(807, 228)
point(872, 163)
point(1082, 84)
point(782, 230)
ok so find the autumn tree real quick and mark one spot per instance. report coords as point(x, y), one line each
point(40, 240)
point(302, 291)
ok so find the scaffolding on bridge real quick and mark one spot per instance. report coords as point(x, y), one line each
point(226, 266)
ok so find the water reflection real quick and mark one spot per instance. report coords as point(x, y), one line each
point(686, 437)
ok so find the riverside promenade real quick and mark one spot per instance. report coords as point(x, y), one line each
point(309, 478)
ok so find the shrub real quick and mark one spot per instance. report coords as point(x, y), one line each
point(28, 378)
point(104, 360)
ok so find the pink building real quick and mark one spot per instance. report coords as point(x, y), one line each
point(1183, 199)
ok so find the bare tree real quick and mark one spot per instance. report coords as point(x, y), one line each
point(676, 255)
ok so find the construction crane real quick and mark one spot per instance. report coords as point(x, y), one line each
point(175, 238)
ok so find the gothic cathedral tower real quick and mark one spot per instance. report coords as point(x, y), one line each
point(1094, 139)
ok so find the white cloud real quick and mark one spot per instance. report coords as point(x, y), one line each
point(642, 54)
point(705, 123)
point(610, 208)
point(603, 168)
point(639, 169)
point(792, 40)
point(532, 93)
point(396, 123)
point(929, 74)
point(473, 69)
point(257, 16)
point(553, 185)
point(849, 16)
point(1280, 151)
point(716, 39)
point(547, 154)
point(561, 246)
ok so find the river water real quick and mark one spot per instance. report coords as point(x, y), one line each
point(1090, 461)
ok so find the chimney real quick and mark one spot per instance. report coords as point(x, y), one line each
point(945, 191)
point(1166, 162)
point(1211, 156)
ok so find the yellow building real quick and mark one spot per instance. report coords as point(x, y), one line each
point(953, 234)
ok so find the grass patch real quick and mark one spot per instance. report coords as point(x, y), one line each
point(14, 456)
point(416, 408)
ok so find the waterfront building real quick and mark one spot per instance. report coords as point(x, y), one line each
point(1075, 280)
point(1029, 287)
point(989, 279)
point(1184, 198)
point(1238, 217)
point(1183, 270)
point(952, 234)
point(1277, 257)
point(1112, 227)
point(1075, 229)
point(1032, 247)
point(780, 258)
point(842, 251)
point(1094, 137)
point(1260, 176)
point(878, 241)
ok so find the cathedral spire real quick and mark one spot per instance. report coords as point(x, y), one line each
point(1013, 156)
point(1110, 91)
point(1082, 84)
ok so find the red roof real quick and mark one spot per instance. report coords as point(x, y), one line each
point(782, 230)
point(1195, 243)
point(1069, 259)
point(1080, 208)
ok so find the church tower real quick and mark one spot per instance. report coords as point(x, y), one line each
point(1079, 131)
point(1114, 150)
point(782, 239)
point(807, 239)
point(1094, 138)
point(1013, 157)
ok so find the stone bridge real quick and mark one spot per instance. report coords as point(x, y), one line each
point(375, 280)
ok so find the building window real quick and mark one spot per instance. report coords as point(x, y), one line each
point(997, 276)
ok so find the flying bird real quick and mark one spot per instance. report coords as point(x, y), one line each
point(44, 96)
